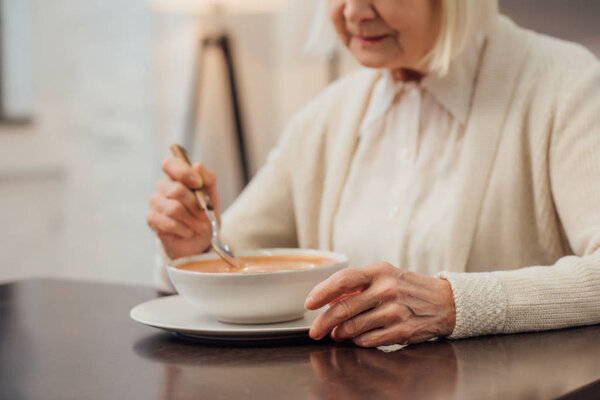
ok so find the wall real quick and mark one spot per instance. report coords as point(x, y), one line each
point(74, 182)
point(110, 83)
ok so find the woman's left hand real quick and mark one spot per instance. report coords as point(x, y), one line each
point(392, 306)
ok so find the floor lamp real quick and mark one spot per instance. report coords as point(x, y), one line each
point(213, 12)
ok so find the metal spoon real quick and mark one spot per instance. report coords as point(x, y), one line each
point(223, 250)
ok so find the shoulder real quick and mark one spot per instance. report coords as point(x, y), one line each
point(349, 91)
point(339, 101)
point(555, 63)
point(557, 83)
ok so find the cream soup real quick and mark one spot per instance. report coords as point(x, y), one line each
point(261, 264)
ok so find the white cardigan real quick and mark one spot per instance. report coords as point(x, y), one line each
point(525, 249)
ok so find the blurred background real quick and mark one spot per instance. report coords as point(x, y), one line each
point(92, 93)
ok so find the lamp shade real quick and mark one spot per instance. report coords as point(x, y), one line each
point(200, 7)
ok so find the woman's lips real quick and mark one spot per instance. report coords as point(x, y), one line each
point(370, 40)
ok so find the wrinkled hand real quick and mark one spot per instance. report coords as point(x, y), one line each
point(392, 306)
point(175, 215)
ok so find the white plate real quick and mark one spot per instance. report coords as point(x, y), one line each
point(175, 314)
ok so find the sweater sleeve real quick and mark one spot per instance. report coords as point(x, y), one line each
point(263, 215)
point(568, 292)
point(161, 277)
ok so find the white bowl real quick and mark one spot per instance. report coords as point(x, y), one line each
point(253, 298)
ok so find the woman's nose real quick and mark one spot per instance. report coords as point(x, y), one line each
point(357, 11)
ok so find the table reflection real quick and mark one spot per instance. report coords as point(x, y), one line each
point(540, 365)
point(220, 370)
point(423, 371)
point(492, 367)
point(314, 371)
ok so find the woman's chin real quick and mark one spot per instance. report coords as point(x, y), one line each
point(370, 63)
point(378, 61)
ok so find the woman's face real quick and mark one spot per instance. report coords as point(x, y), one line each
point(388, 34)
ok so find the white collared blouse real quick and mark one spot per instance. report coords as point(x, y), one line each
point(402, 180)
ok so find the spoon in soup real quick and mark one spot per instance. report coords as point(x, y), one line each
point(223, 250)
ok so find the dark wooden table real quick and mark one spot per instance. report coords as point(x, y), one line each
point(74, 340)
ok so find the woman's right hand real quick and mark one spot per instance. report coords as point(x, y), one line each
point(175, 215)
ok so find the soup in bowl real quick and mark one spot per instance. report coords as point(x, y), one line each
point(271, 286)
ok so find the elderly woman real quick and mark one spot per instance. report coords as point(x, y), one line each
point(460, 172)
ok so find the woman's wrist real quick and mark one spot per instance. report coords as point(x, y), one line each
point(450, 314)
point(480, 303)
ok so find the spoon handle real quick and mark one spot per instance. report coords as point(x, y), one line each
point(200, 192)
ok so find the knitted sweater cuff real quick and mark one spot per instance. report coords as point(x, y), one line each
point(161, 277)
point(480, 303)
